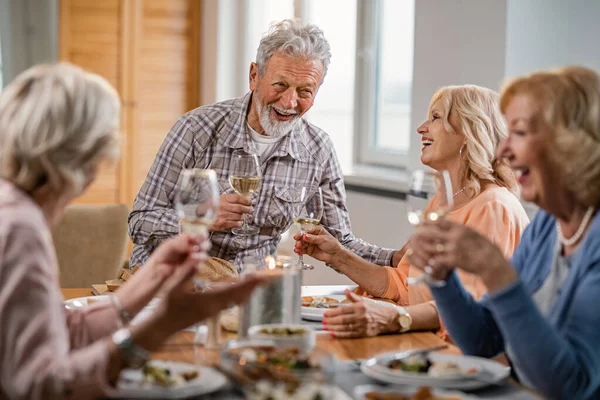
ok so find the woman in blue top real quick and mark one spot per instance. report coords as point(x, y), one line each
point(541, 305)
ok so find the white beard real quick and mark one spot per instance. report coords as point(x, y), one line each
point(274, 129)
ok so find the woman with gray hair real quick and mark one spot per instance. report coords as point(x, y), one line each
point(541, 305)
point(57, 125)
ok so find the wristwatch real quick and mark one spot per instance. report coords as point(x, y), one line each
point(404, 319)
point(133, 356)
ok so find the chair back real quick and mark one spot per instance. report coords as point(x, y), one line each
point(90, 242)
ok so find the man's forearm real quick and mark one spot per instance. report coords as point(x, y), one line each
point(158, 224)
point(374, 254)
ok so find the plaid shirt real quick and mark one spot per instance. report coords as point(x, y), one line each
point(206, 138)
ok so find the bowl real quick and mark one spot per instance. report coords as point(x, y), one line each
point(265, 371)
point(285, 335)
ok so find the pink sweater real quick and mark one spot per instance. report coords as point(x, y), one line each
point(46, 351)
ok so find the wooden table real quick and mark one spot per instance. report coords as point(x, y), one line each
point(181, 347)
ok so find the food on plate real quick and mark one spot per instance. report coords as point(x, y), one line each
point(283, 331)
point(320, 301)
point(270, 372)
point(418, 364)
point(164, 377)
point(442, 369)
point(423, 393)
point(421, 364)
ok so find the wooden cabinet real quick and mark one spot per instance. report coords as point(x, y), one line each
point(149, 50)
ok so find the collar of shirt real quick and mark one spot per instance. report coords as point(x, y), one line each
point(293, 144)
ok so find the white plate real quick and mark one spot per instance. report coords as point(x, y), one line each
point(131, 383)
point(84, 302)
point(361, 390)
point(494, 371)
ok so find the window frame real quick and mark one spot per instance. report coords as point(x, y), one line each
point(367, 107)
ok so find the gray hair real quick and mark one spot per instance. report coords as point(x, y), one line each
point(295, 38)
point(57, 123)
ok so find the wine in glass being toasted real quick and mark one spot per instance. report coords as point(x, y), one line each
point(429, 199)
point(197, 200)
point(307, 213)
point(245, 180)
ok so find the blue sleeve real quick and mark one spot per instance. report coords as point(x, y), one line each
point(469, 322)
point(561, 363)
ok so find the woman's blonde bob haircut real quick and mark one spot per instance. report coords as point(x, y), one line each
point(473, 111)
point(567, 104)
point(57, 123)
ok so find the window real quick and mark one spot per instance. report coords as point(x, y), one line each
point(365, 102)
point(384, 75)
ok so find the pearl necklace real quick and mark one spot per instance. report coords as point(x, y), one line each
point(577, 236)
point(459, 192)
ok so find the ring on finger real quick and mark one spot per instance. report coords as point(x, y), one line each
point(440, 248)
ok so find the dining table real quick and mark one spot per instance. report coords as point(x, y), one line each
point(349, 353)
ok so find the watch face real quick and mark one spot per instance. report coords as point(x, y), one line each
point(404, 321)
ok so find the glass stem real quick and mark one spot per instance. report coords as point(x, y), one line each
point(213, 336)
point(301, 256)
point(244, 223)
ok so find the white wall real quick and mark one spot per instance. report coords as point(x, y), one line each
point(456, 42)
point(29, 31)
point(543, 34)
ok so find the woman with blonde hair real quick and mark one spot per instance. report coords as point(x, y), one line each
point(57, 125)
point(461, 134)
point(540, 308)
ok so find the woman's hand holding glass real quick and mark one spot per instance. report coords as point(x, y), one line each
point(430, 198)
point(307, 212)
point(319, 244)
point(439, 246)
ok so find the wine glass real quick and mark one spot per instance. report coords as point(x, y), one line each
point(197, 200)
point(197, 206)
point(307, 212)
point(429, 199)
point(245, 180)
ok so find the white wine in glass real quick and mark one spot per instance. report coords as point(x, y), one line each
point(197, 200)
point(307, 212)
point(429, 199)
point(197, 206)
point(245, 180)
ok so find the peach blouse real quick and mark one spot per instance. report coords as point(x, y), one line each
point(46, 351)
point(496, 213)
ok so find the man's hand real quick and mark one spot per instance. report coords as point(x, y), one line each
point(232, 208)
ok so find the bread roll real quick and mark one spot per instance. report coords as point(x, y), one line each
point(217, 270)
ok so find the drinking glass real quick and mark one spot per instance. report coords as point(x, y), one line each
point(245, 180)
point(197, 200)
point(307, 212)
point(197, 206)
point(425, 186)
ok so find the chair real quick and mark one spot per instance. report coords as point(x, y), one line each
point(91, 241)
